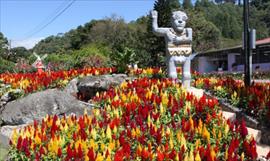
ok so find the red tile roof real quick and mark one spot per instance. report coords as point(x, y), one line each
point(263, 41)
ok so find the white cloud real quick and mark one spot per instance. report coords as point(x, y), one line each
point(28, 43)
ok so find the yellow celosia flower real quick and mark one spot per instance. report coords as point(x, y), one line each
point(183, 141)
point(96, 72)
point(226, 154)
point(212, 154)
point(148, 120)
point(99, 157)
point(123, 97)
point(14, 136)
point(161, 109)
point(37, 140)
point(108, 158)
point(171, 143)
point(164, 99)
point(138, 132)
point(94, 133)
point(242, 156)
point(226, 129)
point(123, 85)
point(197, 143)
point(219, 134)
point(102, 146)
point(109, 133)
point(115, 130)
point(197, 157)
point(111, 145)
point(24, 83)
point(191, 123)
point(133, 133)
point(53, 146)
point(191, 156)
point(206, 134)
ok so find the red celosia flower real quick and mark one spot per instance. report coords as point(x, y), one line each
point(268, 155)
point(145, 154)
point(19, 143)
point(59, 152)
point(69, 152)
point(80, 152)
point(119, 155)
point(243, 130)
point(160, 156)
point(91, 154)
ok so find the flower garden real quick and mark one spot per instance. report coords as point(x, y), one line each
point(253, 100)
point(145, 119)
point(32, 82)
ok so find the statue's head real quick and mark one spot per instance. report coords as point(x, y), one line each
point(178, 20)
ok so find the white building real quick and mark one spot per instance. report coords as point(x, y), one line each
point(232, 59)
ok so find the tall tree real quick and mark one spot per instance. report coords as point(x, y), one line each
point(156, 45)
point(187, 4)
point(3, 43)
point(230, 1)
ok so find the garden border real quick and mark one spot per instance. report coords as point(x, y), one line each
point(250, 122)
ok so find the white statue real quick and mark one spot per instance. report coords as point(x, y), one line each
point(178, 44)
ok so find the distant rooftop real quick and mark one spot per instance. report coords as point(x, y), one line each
point(265, 41)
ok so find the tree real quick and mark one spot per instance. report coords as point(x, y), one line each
point(206, 35)
point(3, 44)
point(156, 45)
point(230, 1)
point(187, 4)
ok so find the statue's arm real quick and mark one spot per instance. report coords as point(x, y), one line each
point(160, 31)
point(189, 34)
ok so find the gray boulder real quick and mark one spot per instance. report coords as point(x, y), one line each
point(72, 88)
point(38, 105)
point(89, 86)
point(9, 96)
point(6, 134)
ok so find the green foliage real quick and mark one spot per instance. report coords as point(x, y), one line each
point(122, 59)
point(206, 35)
point(227, 17)
point(6, 66)
point(3, 43)
point(92, 55)
point(187, 4)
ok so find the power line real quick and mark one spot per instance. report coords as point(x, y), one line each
point(57, 10)
point(71, 0)
point(53, 19)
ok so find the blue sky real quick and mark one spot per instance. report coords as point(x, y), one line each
point(20, 18)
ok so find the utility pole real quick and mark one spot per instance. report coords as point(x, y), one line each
point(246, 44)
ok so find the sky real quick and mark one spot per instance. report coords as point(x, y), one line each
point(21, 20)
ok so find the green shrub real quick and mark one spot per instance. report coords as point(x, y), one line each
point(6, 66)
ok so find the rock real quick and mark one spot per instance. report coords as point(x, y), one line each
point(89, 86)
point(72, 88)
point(7, 97)
point(6, 134)
point(265, 136)
point(38, 105)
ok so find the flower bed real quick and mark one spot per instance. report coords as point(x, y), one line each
point(253, 100)
point(147, 119)
point(30, 82)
